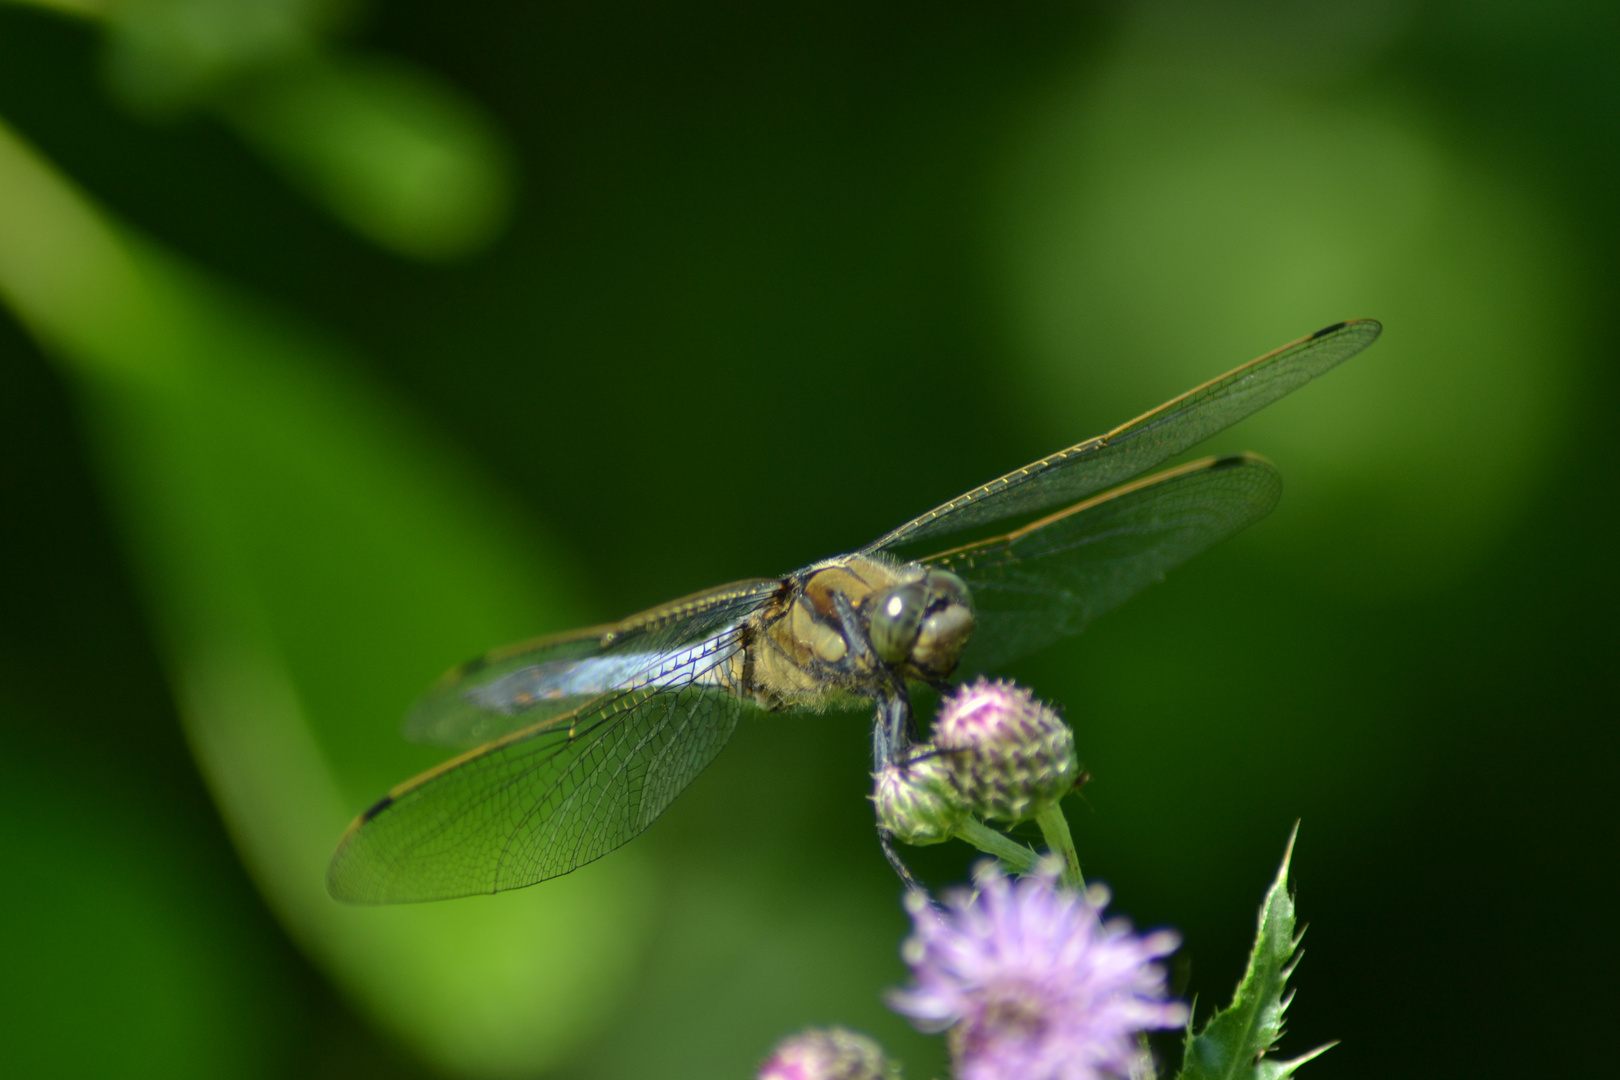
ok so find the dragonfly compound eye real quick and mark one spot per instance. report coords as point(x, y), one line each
point(944, 585)
point(941, 639)
point(896, 618)
point(947, 624)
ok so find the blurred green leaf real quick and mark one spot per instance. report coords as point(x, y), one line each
point(166, 55)
point(397, 154)
point(1235, 1041)
point(400, 156)
point(313, 559)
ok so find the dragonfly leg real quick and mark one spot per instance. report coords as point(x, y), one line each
point(882, 753)
point(892, 727)
point(907, 878)
point(860, 649)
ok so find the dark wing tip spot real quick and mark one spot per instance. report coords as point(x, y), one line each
point(1326, 330)
point(1230, 461)
point(378, 807)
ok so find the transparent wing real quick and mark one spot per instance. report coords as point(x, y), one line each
point(1177, 425)
point(536, 803)
point(1052, 577)
point(518, 686)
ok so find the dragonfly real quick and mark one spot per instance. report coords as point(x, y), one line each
point(577, 742)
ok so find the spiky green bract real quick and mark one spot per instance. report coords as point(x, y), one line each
point(1235, 1041)
point(917, 801)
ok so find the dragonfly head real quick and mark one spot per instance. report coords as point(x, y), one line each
point(923, 625)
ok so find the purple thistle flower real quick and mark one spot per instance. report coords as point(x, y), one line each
point(1011, 754)
point(1032, 983)
point(828, 1054)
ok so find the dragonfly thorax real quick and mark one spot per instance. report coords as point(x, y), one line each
point(856, 626)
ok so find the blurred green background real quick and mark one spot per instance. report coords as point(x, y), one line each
point(341, 342)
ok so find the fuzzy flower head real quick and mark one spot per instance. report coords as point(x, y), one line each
point(1012, 755)
point(828, 1054)
point(1031, 982)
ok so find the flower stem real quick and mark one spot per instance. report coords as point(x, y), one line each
point(1055, 827)
point(1017, 857)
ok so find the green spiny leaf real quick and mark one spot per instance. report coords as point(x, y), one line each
point(1234, 1042)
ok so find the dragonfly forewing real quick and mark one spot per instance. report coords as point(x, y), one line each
point(1132, 448)
point(515, 687)
point(1052, 577)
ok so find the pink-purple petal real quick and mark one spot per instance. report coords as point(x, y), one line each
point(1033, 984)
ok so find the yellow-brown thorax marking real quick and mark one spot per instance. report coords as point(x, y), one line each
point(798, 651)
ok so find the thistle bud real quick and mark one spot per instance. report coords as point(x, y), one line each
point(917, 800)
point(1011, 755)
point(828, 1054)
